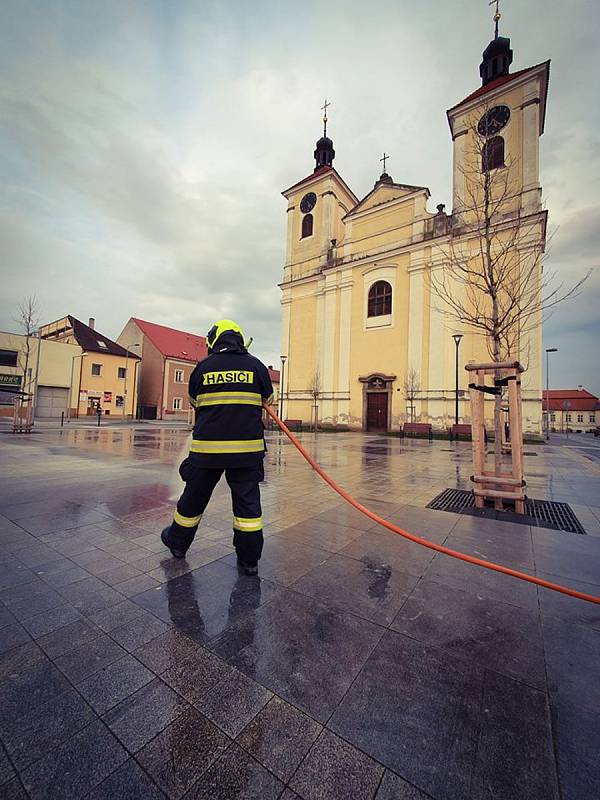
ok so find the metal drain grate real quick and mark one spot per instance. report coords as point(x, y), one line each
point(542, 513)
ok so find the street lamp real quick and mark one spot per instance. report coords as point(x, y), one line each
point(548, 351)
point(283, 360)
point(457, 337)
point(79, 355)
point(127, 349)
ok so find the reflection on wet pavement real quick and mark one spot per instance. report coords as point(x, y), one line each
point(422, 669)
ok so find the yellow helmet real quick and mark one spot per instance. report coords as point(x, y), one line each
point(221, 327)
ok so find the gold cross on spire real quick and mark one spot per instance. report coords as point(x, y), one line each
point(384, 159)
point(324, 108)
point(497, 15)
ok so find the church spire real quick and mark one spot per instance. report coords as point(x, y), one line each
point(497, 56)
point(324, 153)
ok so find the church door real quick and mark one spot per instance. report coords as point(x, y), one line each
point(377, 411)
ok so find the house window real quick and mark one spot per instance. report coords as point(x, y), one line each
point(552, 417)
point(380, 299)
point(307, 225)
point(96, 369)
point(568, 418)
point(178, 376)
point(579, 417)
point(8, 358)
point(177, 404)
point(119, 401)
point(492, 155)
point(122, 372)
point(592, 418)
point(103, 345)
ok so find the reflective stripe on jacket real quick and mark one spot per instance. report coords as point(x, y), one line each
point(227, 389)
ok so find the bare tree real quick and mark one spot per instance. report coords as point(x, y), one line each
point(315, 392)
point(492, 280)
point(411, 387)
point(28, 320)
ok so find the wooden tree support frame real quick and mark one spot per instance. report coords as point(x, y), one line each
point(506, 487)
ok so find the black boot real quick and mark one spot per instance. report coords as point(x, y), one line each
point(175, 551)
point(248, 569)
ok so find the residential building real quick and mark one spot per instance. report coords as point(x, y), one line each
point(105, 373)
point(47, 376)
point(275, 379)
point(168, 358)
point(572, 409)
point(359, 311)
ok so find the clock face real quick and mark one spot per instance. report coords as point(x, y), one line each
point(308, 202)
point(493, 121)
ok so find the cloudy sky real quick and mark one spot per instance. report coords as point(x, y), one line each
point(144, 145)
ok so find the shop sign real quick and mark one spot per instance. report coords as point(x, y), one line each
point(83, 396)
point(10, 380)
point(95, 395)
point(108, 397)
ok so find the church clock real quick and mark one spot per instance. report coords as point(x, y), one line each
point(493, 121)
point(308, 202)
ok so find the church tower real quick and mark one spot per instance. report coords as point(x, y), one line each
point(508, 112)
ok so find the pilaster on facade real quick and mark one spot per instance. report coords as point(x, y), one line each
point(530, 110)
point(416, 305)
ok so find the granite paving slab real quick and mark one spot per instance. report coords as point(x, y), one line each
point(496, 635)
point(128, 782)
point(137, 719)
point(302, 650)
point(279, 737)
point(28, 737)
point(71, 770)
point(334, 769)
point(203, 603)
point(182, 753)
point(416, 710)
point(233, 702)
point(113, 683)
point(366, 588)
point(236, 776)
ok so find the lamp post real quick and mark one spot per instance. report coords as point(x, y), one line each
point(127, 349)
point(457, 337)
point(548, 351)
point(281, 384)
point(79, 355)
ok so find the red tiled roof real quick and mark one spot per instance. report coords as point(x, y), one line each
point(497, 82)
point(173, 343)
point(579, 399)
point(273, 374)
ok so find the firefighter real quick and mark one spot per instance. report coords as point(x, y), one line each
point(226, 389)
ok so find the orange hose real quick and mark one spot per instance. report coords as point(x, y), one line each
point(556, 587)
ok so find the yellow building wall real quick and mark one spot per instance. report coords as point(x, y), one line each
point(99, 387)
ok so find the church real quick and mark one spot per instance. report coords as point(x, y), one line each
point(367, 342)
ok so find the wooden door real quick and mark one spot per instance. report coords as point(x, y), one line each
point(377, 411)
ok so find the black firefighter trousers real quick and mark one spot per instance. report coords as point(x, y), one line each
point(245, 495)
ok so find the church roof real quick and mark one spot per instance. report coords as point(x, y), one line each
point(505, 79)
point(173, 343)
point(320, 171)
point(406, 187)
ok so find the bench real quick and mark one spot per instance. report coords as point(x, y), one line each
point(418, 429)
point(458, 430)
point(293, 424)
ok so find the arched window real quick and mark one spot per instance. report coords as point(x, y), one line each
point(380, 299)
point(307, 225)
point(492, 155)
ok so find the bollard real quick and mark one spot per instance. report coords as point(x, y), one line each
point(62, 419)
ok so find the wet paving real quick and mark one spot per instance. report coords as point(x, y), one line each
point(359, 665)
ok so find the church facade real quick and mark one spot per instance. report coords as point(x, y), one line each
point(367, 337)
